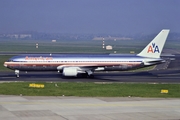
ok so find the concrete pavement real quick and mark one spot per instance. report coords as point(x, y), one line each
point(87, 108)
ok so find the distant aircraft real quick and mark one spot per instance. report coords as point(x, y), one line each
point(75, 64)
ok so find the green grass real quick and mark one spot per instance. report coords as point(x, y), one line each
point(92, 89)
point(87, 46)
point(144, 69)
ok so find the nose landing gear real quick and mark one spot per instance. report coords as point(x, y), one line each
point(17, 73)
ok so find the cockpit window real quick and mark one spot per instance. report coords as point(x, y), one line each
point(10, 60)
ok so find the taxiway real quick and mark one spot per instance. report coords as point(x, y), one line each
point(80, 108)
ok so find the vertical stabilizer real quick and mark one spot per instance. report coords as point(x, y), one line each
point(155, 47)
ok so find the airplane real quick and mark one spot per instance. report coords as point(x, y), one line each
point(74, 64)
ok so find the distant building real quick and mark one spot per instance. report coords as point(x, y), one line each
point(12, 35)
point(53, 40)
point(111, 38)
point(25, 36)
point(17, 36)
point(108, 47)
point(132, 52)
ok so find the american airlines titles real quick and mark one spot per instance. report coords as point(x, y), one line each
point(38, 58)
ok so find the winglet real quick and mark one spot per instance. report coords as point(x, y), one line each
point(155, 47)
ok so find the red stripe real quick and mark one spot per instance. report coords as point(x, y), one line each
point(70, 64)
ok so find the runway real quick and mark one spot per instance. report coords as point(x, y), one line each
point(154, 76)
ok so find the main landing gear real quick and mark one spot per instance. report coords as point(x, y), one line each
point(89, 74)
point(17, 73)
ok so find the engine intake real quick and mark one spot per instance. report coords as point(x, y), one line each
point(70, 71)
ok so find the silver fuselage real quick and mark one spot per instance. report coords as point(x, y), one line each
point(101, 62)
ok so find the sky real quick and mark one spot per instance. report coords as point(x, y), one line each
point(90, 16)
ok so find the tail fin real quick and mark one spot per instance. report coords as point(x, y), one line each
point(155, 47)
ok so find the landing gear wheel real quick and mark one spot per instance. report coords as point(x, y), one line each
point(17, 73)
point(90, 76)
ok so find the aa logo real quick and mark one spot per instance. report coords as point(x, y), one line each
point(153, 48)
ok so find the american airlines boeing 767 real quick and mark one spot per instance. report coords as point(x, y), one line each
point(74, 64)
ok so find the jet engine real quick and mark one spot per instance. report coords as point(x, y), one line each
point(70, 71)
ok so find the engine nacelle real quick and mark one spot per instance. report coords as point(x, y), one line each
point(70, 71)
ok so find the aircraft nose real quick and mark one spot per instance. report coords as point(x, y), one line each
point(5, 65)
